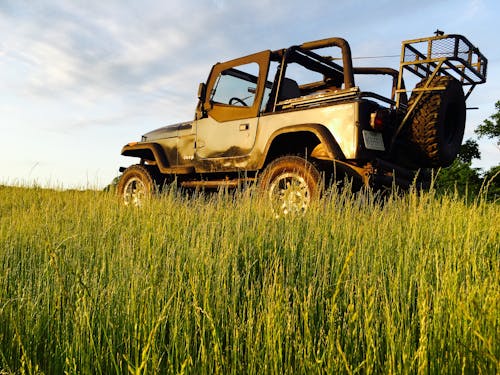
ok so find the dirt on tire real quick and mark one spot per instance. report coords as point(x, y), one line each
point(292, 183)
point(136, 184)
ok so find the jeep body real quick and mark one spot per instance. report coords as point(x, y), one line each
point(296, 101)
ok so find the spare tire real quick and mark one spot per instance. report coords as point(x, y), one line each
point(437, 123)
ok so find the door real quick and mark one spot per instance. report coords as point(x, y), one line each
point(226, 135)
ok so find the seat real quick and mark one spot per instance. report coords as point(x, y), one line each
point(289, 89)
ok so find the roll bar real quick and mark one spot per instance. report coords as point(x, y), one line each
point(346, 55)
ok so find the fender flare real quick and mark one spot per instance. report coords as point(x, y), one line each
point(147, 151)
point(327, 140)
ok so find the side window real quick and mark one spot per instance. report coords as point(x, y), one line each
point(301, 74)
point(236, 86)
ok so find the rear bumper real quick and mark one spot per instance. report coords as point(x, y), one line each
point(387, 174)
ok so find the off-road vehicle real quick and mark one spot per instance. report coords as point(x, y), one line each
point(292, 119)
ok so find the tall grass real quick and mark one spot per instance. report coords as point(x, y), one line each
point(216, 284)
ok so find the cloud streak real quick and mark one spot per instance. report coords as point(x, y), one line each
point(96, 48)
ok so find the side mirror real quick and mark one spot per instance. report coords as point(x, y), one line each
point(202, 92)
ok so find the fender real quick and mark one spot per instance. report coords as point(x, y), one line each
point(328, 148)
point(154, 154)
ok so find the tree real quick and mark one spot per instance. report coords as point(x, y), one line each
point(113, 184)
point(491, 182)
point(468, 151)
point(491, 127)
point(460, 176)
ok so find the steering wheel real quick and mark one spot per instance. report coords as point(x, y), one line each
point(235, 99)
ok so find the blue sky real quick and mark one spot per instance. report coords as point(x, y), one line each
point(79, 79)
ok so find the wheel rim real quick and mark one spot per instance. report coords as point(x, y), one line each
point(290, 194)
point(134, 192)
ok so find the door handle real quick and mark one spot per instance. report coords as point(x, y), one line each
point(244, 127)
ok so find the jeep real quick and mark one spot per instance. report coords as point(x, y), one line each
point(293, 120)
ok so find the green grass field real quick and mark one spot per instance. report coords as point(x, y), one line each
point(216, 284)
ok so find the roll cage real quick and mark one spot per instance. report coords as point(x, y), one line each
point(334, 75)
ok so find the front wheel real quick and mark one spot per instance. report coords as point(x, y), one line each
point(291, 183)
point(136, 185)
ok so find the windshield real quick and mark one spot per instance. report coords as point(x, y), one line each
point(236, 87)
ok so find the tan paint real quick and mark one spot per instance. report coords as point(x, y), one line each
point(216, 139)
point(338, 119)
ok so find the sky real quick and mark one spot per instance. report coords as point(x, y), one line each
point(80, 79)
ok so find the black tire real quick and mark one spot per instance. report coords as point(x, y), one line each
point(137, 184)
point(437, 124)
point(291, 183)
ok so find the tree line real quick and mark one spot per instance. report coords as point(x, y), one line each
point(461, 177)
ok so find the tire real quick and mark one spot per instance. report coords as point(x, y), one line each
point(137, 184)
point(437, 125)
point(291, 184)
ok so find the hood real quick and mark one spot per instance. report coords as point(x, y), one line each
point(168, 131)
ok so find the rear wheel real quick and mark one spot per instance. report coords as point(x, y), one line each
point(136, 185)
point(438, 123)
point(290, 183)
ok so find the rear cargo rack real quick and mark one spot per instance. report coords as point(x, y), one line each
point(441, 55)
point(451, 55)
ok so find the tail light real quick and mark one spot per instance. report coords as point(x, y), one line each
point(378, 119)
